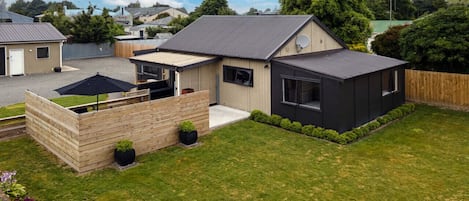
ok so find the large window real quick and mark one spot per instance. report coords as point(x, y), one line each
point(390, 82)
point(237, 75)
point(42, 52)
point(149, 72)
point(302, 92)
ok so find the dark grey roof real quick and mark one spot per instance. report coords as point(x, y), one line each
point(252, 37)
point(14, 17)
point(136, 12)
point(341, 64)
point(33, 32)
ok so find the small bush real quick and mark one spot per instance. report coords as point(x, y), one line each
point(318, 132)
point(260, 116)
point(359, 132)
point(186, 126)
point(342, 139)
point(373, 125)
point(275, 119)
point(331, 135)
point(124, 145)
point(296, 127)
point(285, 123)
point(349, 136)
point(307, 130)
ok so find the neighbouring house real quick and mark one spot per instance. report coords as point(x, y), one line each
point(29, 48)
point(139, 30)
point(293, 66)
point(7, 16)
point(151, 13)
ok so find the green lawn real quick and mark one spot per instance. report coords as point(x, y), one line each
point(66, 101)
point(425, 156)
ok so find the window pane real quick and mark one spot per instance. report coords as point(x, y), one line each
point(229, 74)
point(42, 52)
point(309, 93)
point(236, 75)
point(388, 80)
point(289, 89)
point(151, 70)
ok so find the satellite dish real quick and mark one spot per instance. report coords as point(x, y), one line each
point(302, 41)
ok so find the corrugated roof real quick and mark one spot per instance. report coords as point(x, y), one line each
point(341, 64)
point(14, 17)
point(253, 37)
point(10, 33)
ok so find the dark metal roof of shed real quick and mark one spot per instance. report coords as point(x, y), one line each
point(341, 64)
point(30, 32)
point(251, 37)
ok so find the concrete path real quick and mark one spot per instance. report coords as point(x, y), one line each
point(221, 115)
point(12, 88)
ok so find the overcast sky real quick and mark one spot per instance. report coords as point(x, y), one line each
point(240, 6)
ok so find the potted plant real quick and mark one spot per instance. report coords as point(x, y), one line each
point(187, 133)
point(124, 154)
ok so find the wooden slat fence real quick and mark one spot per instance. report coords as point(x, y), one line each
point(436, 88)
point(125, 50)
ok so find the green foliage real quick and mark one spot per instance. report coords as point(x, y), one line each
point(318, 132)
point(285, 123)
point(387, 43)
point(152, 31)
point(349, 20)
point(59, 21)
point(95, 28)
point(186, 126)
point(124, 145)
point(331, 135)
point(296, 127)
point(59, 6)
point(9, 186)
point(260, 116)
point(275, 119)
point(136, 22)
point(439, 41)
point(402, 9)
point(19, 7)
point(307, 130)
point(373, 125)
point(359, 47)
point(428, 6)
point(161, 15)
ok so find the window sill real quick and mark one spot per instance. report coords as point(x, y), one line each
point(317, 109)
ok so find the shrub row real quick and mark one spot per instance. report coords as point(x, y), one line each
point(329, 134)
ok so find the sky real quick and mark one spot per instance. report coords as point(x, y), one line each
point(240, 6)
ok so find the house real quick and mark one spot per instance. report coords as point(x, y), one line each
point(151, 13)
point(293, 66)
point(121, 16)
point(139, 30)
point(29, 48)
point(7, 16)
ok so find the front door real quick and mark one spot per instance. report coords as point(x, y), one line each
point(16, 62)
point(3, 64)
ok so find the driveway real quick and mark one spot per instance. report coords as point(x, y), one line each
point(12, 88)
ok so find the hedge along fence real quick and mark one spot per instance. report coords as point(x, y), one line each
point(329, 134)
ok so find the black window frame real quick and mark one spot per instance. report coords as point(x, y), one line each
point(232, 74)
point(156, 74)
point(42, 57)
point(298, 96)
point(389, 82)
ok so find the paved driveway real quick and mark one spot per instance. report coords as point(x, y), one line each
point(12, 88)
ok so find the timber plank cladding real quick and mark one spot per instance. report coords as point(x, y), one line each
point(86, 141)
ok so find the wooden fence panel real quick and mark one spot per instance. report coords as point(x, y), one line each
point(125, 50)
point(437, 88)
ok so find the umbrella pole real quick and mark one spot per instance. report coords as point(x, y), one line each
point(97, 102)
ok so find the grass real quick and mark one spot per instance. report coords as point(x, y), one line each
point(18, 109)
point(424, 156)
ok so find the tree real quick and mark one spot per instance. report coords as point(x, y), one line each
point(428, 6)
point(87, 27)
point(401, 9)
point(161, 15)
point(36, 7)
point(134, 5)
point(207, 7)
point(438, 41)
point(19, 7)
point(349, 20)
point(59, 6)
point(58, 20)
point(252, 11)
point(387, 43)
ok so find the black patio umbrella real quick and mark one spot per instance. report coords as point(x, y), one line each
point(95, 85)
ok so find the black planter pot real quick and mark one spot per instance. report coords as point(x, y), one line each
point(124, 158)
point(57, 69)
point(188, 138)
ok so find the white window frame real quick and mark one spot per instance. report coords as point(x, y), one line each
point(48, 52)
point(396, 83)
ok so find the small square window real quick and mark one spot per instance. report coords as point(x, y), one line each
point(42, 52)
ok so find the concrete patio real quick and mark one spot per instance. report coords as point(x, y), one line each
point(221, 115)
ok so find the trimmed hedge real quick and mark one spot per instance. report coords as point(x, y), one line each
point(329, 134)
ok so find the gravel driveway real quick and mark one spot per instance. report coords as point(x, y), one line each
point(12, 88)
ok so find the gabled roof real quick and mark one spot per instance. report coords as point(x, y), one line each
point(341, 64)
point(251, 37)
point(33, 32)
point(136, 12)
point(14, 17)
